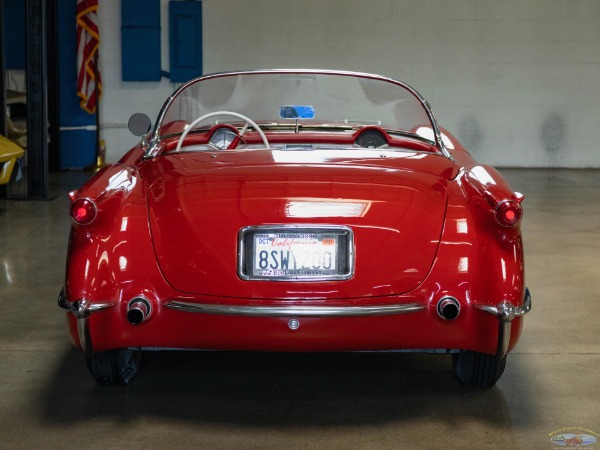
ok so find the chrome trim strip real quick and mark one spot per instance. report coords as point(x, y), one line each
point(295, 310)
point(439, 143)
point(316, 228)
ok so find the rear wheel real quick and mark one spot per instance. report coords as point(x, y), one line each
point(476, 369)
point(114, 367)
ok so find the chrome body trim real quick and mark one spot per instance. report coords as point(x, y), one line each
point(295, 310)
point(155, 138)
point(506, 312)
point(82, 309)
point(316, 228)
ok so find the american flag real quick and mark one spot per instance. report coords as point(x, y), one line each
point(89, 84)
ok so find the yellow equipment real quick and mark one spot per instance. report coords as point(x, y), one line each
point(9, 154)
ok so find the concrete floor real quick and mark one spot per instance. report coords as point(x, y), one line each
point(215, 400)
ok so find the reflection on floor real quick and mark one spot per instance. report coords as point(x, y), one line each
point(240, 400)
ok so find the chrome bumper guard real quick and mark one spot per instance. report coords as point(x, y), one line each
point(82, 309)
point(295, 311)
point(506, 312)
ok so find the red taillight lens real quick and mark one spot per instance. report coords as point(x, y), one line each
point(83, 211)
point(508, 213)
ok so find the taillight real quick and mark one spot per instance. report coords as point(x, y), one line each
point(508, 213)
point(83, 211)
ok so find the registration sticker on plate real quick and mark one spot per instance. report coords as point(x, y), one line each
point(291, 254)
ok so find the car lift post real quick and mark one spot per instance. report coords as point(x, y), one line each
point(37, 117)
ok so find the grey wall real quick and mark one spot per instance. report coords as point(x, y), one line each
point(518, 81)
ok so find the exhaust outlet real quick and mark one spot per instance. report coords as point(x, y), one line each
point(448, 308)
point(138, 310)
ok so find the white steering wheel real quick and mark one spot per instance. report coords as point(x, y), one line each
point(223, 113)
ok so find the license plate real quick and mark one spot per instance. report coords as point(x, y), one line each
point(293, 253)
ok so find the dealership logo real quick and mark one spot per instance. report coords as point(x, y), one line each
point(573, 437)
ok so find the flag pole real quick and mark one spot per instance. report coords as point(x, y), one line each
point(99, 163)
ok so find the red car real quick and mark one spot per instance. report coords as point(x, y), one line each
point(295, 211)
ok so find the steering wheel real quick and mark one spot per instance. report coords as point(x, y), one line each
point(248, 121)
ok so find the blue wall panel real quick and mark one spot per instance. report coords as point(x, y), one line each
point(140, 40)
point(140, 13)
point(185, 40)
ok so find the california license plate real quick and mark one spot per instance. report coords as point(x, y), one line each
point(293, 253)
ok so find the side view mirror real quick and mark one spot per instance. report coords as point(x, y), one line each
point(139, 124)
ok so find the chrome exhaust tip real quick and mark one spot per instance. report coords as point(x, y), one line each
point(448, 308)
point(138, 311)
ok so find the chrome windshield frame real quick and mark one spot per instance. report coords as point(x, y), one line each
point(155, 137)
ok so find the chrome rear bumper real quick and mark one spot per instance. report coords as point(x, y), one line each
point(82, 309)
point(295, 311)
point(506, 312)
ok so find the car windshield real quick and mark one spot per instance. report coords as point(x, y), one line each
point(303, 100)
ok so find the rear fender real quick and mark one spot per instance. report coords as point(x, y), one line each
point(115, 249)
point(501, 274)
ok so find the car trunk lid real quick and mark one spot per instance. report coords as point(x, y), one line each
point(197, 209)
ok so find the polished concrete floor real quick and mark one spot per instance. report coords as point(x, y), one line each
point(343, 401)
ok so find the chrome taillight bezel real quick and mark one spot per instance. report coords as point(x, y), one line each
point(93, 208)
point(505, 206)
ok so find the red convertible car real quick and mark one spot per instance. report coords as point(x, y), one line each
point(295, 211)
